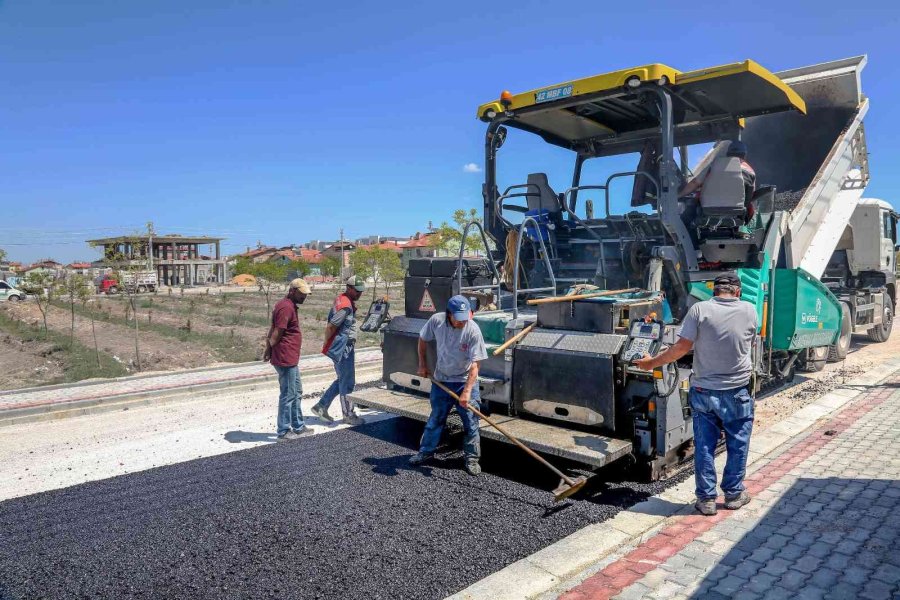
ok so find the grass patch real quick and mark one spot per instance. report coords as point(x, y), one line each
point(225, 346)
point(78, 361)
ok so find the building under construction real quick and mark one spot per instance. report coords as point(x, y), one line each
point(177, 259)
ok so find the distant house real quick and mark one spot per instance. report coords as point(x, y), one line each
point(46, 265)
point(289, 254)
point(418, 246)
point(335, 251)
point(83, 268)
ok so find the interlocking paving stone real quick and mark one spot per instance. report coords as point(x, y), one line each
point(828, 524)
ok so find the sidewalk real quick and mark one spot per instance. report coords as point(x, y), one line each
point(824, 522)
point(53, 395)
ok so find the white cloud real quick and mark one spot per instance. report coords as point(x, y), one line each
point(471, 168)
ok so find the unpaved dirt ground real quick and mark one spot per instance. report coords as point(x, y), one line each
point(158, 353)
point(810, 386)
point(29, 363)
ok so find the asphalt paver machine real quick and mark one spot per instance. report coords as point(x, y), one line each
point(814, 260)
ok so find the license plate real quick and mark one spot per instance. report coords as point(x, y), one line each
point(557, 93)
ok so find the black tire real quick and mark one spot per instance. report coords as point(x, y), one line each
point(815, 359)
point(142, 289)
point(112, 291)
point(838, 351)
point(15, 298)
point(881, 333)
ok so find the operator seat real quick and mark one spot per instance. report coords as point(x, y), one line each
point(544, 206)
point(722, 194)
point(722, 212)
point(546, 199)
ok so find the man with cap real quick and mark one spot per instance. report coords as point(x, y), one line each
point(720, 331)
point(460, 346)
point(283, 351)
point(340, 342)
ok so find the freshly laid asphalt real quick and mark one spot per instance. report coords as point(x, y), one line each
point(339, 515)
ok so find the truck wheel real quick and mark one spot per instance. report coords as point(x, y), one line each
point(815, 359)
point(838, 351)
point(142, 289)
point(113, 290)
point(881, 333)
point(15, 298)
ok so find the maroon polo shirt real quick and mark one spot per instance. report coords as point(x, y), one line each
point(286, 353)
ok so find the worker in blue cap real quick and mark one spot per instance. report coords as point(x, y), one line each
point(460, 346)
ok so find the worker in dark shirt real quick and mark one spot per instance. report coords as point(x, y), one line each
point(340, 343)
point(283, 351)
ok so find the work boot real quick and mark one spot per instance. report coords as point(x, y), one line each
point(303, 430)
point(322, 413)
point(472, 466)
point(290, 435)
point(420, 458)
point(735, 502)
point(353, 419)
point(706, 507)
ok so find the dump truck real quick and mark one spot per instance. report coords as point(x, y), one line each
point(815, 260)
point(137, 282)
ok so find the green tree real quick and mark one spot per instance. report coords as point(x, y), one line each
point(270, 278)
point(242, 265)
point(43, 286)
point(378, 264)
point(72, 290)
point(330, 266)
point(2, 255)
point(447, 237)
point(300, 267)
point(389, 268)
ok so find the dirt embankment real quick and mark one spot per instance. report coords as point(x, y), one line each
point(158, 353)
point(27, 363)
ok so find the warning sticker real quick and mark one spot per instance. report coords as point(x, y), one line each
point(427, 304)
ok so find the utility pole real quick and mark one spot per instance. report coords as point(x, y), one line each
point(343, 265)
point(150, 243)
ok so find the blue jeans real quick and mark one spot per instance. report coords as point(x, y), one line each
point(441, 403)
point(714, 410)
point(289, 415)
point(345, 382)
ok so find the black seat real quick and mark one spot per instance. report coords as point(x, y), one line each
point(541, 195)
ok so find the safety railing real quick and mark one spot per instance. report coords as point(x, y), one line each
point(490, 260)
point(520, 209)
point(540, 238)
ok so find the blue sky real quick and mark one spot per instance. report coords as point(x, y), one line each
point(282, 121)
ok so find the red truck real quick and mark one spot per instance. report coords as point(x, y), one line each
point(138, 282)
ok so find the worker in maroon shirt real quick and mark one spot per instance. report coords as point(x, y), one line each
point(283, 351)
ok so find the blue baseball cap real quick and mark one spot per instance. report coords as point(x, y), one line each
point(459, 307)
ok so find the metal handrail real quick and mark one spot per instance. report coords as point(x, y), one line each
point(505, 195)
point(487, 250)
point(629, 174)
point(516, 290)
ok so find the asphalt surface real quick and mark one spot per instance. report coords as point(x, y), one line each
point(329, 516)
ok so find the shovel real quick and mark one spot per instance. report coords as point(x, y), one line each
point(567, 486)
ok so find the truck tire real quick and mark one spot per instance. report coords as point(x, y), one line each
point(142, 289)
point(881, 333)
point(15, 298)
point(112, 290)
point(838, 351)
point(815, 359)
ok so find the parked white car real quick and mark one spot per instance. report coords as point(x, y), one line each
point(10, 294)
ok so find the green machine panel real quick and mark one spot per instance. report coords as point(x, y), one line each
point(806, 314)
point(754, 286)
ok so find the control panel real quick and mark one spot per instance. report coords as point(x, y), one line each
point(643, 338)
point(376, 317)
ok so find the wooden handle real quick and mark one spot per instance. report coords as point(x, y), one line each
point(515, 338)
point(581, 296)
point(508, 435)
